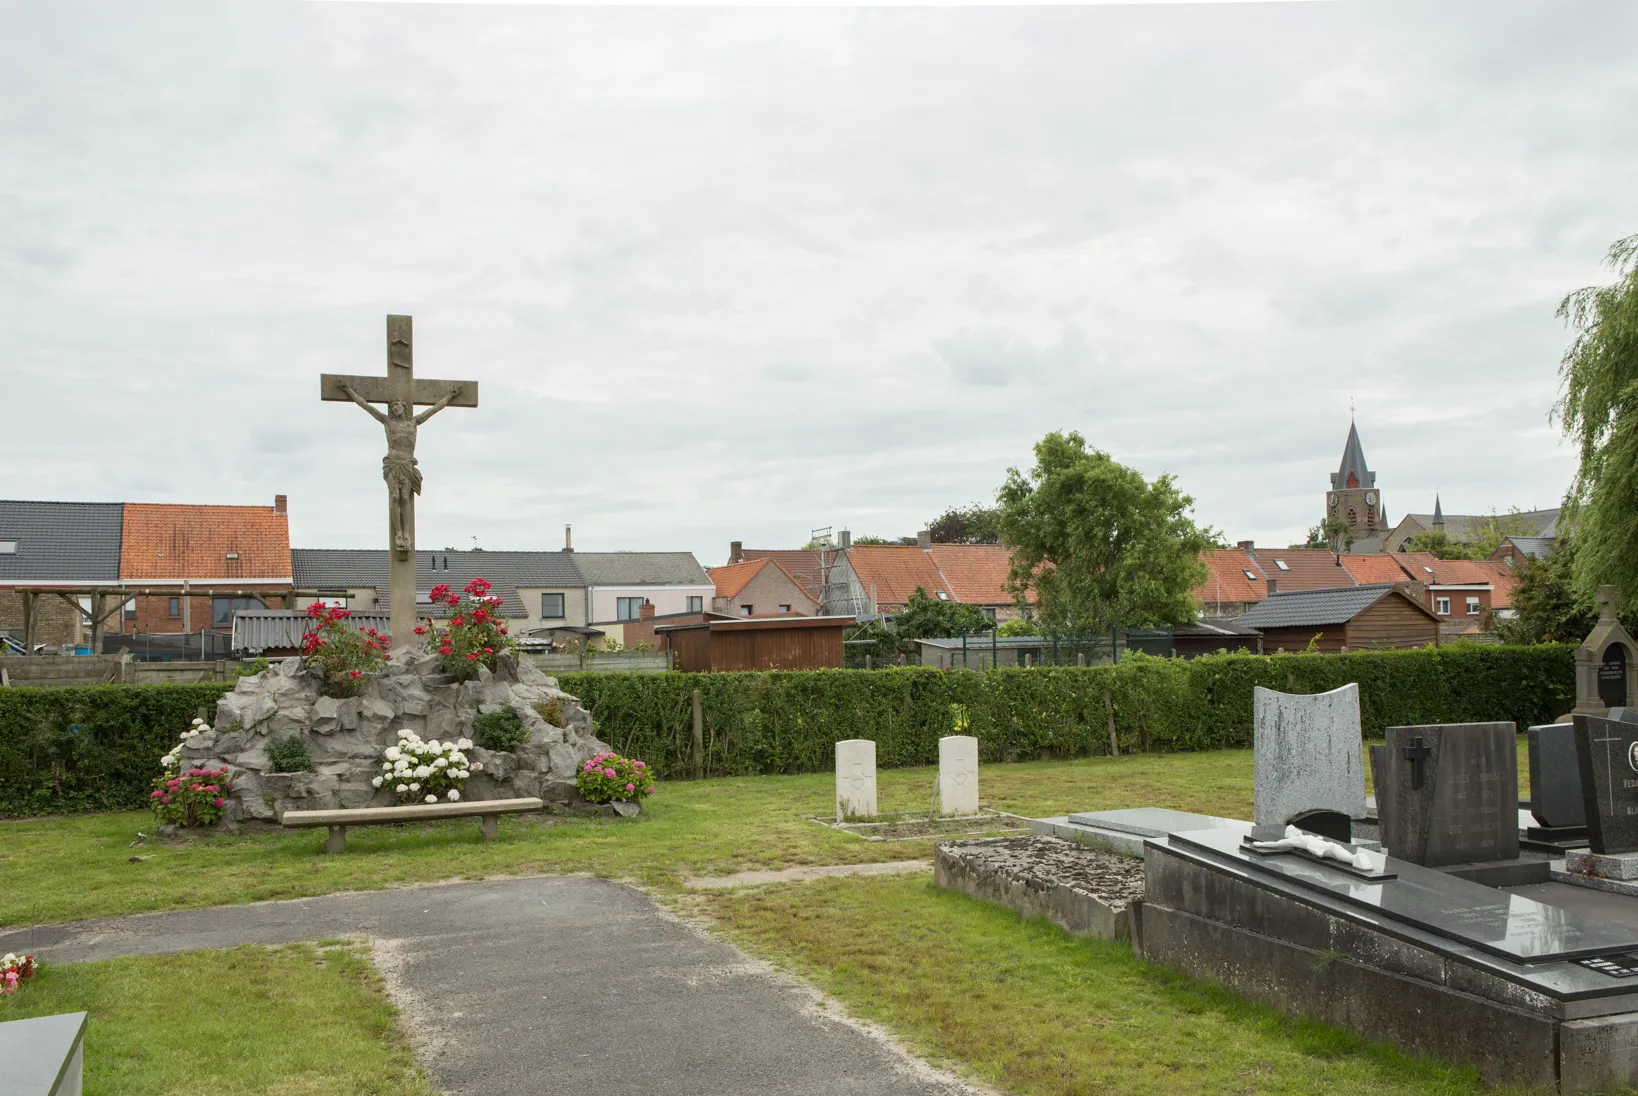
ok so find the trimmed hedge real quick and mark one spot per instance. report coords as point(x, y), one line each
point(98, 748)
point(789, 721)
point(95, 748)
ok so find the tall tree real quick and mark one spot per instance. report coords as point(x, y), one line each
point(1332, 534)
point(927, 617)
point(1484, 535)
point(975, 524)
point(1547, 608)
point(1600, 411)
point(1100, 546)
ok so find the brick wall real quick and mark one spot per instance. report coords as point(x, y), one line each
point(642, 630)
point(55, 621)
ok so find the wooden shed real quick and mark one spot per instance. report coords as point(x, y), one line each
point(1355, 618)
point(757, 643)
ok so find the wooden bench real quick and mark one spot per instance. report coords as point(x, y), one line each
point(489, 810)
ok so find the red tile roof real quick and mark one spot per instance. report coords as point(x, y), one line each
point(163, 540)
point(895, 572)
point(734, 577)
point(802, 564)
point(1231, 576)
point(1305, 569)
point(1369, 569)
point(975, 574)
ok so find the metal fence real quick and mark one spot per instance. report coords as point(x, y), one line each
point(171, 646)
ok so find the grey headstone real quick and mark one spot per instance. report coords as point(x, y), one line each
point(1555, 776)
point(1306, 757)
point(1624, 715)
point(1607, 751)
point(1382, 782)
point(1455, 793)
point(43, 1056)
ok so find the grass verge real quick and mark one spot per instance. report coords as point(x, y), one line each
point(1023, 1007)
point(292, 1021)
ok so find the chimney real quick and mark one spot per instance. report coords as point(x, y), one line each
point(1246, 545)
point(1273, 586)
point(924, 539)
point(568, 538)
point(281, 504)
point(736, 551)
point(844, 540)
point(645, 611)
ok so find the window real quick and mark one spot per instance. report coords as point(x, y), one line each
point(1249, 575)
point(1282, 565)
point(784, 608)
point(1472, 606)
point(551, 606)
point(173, 607)
point(629, 608)
point(745, 610)
point(8, 547)
point(696, 604)
point(130, 610)
point(223, 608)
point(1441, 605)
point(989, 614)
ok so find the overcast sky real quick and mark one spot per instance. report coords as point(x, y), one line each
point(734, 274)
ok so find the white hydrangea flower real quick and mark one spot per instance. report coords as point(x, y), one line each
point(401, 789)
point(415, 787)
point(377, 782)
point(453, 795)
point(432, 799)
point(464, 743)
point(422, 772)
point(392, 753)
point(433, 746)
point(441, 763)
point(477, 766)
point(406, 734)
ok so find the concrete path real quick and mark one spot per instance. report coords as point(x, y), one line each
point(555, 985)
point(805, 875)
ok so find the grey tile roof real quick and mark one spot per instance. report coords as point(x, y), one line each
point(61, 541)
point(642, 569)
point(1210, 626)
point(337, 568)
point(1461, 527)
point(1534, 547)
point(1302, 608)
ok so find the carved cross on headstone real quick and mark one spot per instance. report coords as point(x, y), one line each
point(1417, 753)
point(1609, 600)
point(402, 393)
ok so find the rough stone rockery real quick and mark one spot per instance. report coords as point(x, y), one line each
point(346, 737)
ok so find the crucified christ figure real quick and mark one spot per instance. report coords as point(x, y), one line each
point(398, 467)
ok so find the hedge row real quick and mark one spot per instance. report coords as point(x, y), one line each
point(98, 748)
point(90, 749)
point(788, 722)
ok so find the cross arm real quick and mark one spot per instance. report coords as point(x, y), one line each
point(424, 393)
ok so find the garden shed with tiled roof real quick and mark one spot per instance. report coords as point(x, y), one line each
point(1380, 616)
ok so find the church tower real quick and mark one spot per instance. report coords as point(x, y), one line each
point(1353, 497)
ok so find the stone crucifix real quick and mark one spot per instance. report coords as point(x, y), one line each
point(402, 393)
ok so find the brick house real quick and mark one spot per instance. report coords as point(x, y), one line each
point(877, 580)
point(759, 587)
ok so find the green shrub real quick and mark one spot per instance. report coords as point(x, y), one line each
point(789, 721)
point(608, 777)
point(251, 669)
point(551, 711)
point(501, 729)
point(90, 749)
point(289, 755)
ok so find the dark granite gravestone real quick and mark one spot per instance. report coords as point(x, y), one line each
point(1607, 752)
point(1454, 797)
point(1555, 777)
point(1381, 781)
point(1612, 676)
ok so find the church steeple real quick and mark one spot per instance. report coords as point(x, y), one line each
point(1438, 515)
point(1353, 474)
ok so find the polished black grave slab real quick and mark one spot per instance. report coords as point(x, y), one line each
point(1509, 926)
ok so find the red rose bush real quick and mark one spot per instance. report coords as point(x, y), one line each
point(475, 634)
point(348, 658)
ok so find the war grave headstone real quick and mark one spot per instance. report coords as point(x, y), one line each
point(855, 779)
point(1452, 794)
point(957, 775)
point(1556, 803)
point(1607, 754)
point(1306, 767)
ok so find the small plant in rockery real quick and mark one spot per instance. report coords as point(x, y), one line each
point(551, 711)
point(417, 771)
point(251, 669)
point(502, 729)
point(349, 658)
point(289, 755)
point(189, 797)
point(608, 777)
point(14, 971)
point(474, 636)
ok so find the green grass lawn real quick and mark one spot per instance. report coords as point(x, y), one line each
point(1025, 1008)
point(292, 1021)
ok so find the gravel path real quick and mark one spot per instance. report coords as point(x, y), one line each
point(552, 985)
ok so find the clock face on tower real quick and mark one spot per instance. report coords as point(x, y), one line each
point(1370, 499)
point(1334, 502)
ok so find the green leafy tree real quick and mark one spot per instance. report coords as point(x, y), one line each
point(1599, 410)
point(1332, 534)
point(926, 617)
point(1018, 626)
point(868, 540)
point(1485, 535)
point(975, 524)
point(1547, 606)
point(1100, 546)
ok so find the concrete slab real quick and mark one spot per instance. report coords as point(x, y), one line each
point(525, 986)
point(1617, 909)
point(804, 875)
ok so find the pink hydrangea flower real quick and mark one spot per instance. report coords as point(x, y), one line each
point(631, 787)
point(219, 801)
point(609, 773)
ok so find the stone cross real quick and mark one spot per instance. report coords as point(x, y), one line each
point(402, 393)
point(1417, 754)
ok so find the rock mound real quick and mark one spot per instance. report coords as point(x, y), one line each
point(345, 737)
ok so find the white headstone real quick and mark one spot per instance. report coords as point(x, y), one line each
point(958, 775)
point(855, 779)
point(1306, 757)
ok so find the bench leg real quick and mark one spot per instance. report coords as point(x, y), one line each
point(489, 828)
point(337, 841)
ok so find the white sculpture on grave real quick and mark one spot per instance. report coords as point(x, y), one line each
point(855, 779)
point(958, 775)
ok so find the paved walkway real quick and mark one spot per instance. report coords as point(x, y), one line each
point(524, 986)
point(806, 875)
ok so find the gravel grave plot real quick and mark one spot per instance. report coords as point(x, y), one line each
point(1047, 861)
point(908, 827)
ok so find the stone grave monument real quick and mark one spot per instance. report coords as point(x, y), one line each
point(1607, 752)
point(1306, 766)
point(1606, 663)
point(1556, 802)
point(957, 775)
point(43, 1056)
point(855, 779)
point(1449, 793)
